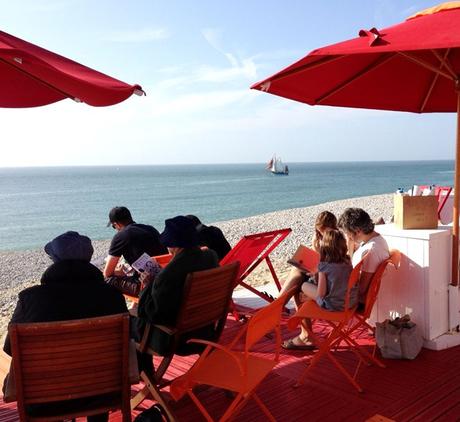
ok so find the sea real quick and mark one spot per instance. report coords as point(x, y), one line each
point(37, 204)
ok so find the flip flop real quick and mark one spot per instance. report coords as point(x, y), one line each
point(290, 345)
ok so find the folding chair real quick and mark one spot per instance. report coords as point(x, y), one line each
point(69, 369)
point(442, 193)
point(205, 302)
point(338, 320)
point(361, 317)
point(250, 251)
point(229, 368)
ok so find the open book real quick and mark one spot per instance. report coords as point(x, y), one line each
point(146, 263)
point(305, 259)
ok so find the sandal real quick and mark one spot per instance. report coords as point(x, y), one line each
point(291, 345)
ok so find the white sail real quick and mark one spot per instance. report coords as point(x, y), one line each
point(276, 166)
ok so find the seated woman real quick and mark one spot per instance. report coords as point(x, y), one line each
point(333, 272)
point(325, 221)
point(362, 242)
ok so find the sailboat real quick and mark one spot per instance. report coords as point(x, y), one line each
point(276, 166)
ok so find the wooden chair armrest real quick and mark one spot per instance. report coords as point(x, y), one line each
point(168, 330)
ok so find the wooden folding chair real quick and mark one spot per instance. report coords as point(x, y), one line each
point(337, 320)
point(229, 368)
point(250, 251)
point(69, 369)
point(205, 302)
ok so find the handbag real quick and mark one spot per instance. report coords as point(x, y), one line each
point(398, 338)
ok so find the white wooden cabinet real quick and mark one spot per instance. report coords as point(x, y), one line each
point(420, 287)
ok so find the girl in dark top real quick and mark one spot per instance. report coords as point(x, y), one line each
point(333, 272)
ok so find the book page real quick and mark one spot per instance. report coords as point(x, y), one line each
point(305, 259)
point(145, 263)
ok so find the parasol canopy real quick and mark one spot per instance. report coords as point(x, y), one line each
point(413, 66)
point(31, 76)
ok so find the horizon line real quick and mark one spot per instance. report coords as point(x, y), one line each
point(223, 163)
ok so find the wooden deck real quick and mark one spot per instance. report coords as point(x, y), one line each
point(426, 389)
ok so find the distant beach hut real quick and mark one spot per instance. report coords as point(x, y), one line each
point(31, 76)
point(412, 66)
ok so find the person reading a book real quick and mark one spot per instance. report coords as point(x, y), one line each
point(334, 270)
point(363, 242)
point(130, 242)
point(325, 221)
point(160, 299)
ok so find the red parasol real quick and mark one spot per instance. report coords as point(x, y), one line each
point(413, 66)
point(31, 76)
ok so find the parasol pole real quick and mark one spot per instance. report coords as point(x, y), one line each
point(456, 195)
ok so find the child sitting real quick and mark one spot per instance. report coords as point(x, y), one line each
point(333, 272)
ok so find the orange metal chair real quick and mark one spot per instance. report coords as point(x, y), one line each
point(361, 317)
point(229, 368)
point(205, 303)
point(337, 320)
point(250, 251)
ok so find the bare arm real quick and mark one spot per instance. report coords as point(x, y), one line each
point(322, 285)
point(110, 266)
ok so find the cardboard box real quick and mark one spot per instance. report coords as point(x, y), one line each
point(416, 212)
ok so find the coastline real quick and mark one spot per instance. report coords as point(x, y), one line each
point(21, 269)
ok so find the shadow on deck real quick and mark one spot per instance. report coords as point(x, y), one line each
point(426, 389)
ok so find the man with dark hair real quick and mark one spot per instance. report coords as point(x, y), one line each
point(130, 241)
point(71, 288)
point(363, 243)
point(211, 236)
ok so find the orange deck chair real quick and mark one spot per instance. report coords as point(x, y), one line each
point(229, 368)
point(250, 251)
point(206, 300)
point(360, 317)
point(338, 320)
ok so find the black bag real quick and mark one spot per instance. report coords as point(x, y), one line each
point(153, 414)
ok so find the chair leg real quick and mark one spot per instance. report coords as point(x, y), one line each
point(157, 396)
point(201, 408)
point(139, 397)
point(324, 349)
point(264, 408)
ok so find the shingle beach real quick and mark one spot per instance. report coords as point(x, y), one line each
point(23, 269)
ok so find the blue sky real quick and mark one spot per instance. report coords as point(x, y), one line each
point(196, 61)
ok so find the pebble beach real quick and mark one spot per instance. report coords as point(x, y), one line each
point(21, 269)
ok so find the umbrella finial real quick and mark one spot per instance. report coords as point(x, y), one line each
point(373, 34)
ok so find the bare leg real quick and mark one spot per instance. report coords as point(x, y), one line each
point(311, 291)
point(295, 279)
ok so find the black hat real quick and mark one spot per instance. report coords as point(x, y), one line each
point(179, 232)
point(70, 245)
point(119, 214)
